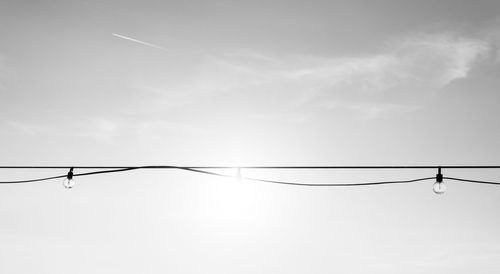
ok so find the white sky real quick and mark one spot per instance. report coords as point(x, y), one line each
point(249, 83)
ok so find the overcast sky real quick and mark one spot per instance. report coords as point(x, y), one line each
point(249, 83)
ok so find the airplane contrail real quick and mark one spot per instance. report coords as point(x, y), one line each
point(139, 41)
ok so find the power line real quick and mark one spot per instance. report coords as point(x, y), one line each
point(265, 167)
point(317, 185)
point(471, 181)
point(438, 187)
point(33, 180)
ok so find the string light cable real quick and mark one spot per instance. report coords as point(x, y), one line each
point(439, 186)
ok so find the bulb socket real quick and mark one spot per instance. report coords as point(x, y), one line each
point(439, 176)
point(70, 174)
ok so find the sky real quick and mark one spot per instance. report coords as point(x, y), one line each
point(245, 83)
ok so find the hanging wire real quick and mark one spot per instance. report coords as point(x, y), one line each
point(307, 184)
point(33, 180)
point(200, 169)
point(471, 181)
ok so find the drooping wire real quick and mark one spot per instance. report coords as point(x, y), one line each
point(64, 176)
point(307, 184)
point(472, 181)
point(106, 171)
point(200, 170)
point(33, 180)
point(341, 184)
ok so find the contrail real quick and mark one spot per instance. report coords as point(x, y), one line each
point(139, 41)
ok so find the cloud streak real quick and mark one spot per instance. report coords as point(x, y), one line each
point(439, 58)
point(139, 41)
point(421, 63)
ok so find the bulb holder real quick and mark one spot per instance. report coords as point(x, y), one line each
point(439, 178)
point(439, 187)
point(69, 182)
point(70, 174)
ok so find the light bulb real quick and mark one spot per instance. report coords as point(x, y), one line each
point(68, 183)
point(439, 187)
point(238, 174)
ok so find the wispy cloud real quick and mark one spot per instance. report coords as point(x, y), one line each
point(439, 58)
point(411, 64)
point(433, 60)
point(139, 41)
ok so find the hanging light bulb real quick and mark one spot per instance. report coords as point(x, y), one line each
point(69, 182)
point(238, 174)
point(439, 187)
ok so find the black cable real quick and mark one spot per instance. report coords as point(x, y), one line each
point(472, 181)
point(33, 180)
point(305, 184)
point(106, 171)
point(199, 170)
point(220, 175)
point(264, 167)
point(342, 184)
point(64, 176)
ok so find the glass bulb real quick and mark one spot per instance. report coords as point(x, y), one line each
point(238, 174)
point(439, 188)
point(68, 183)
